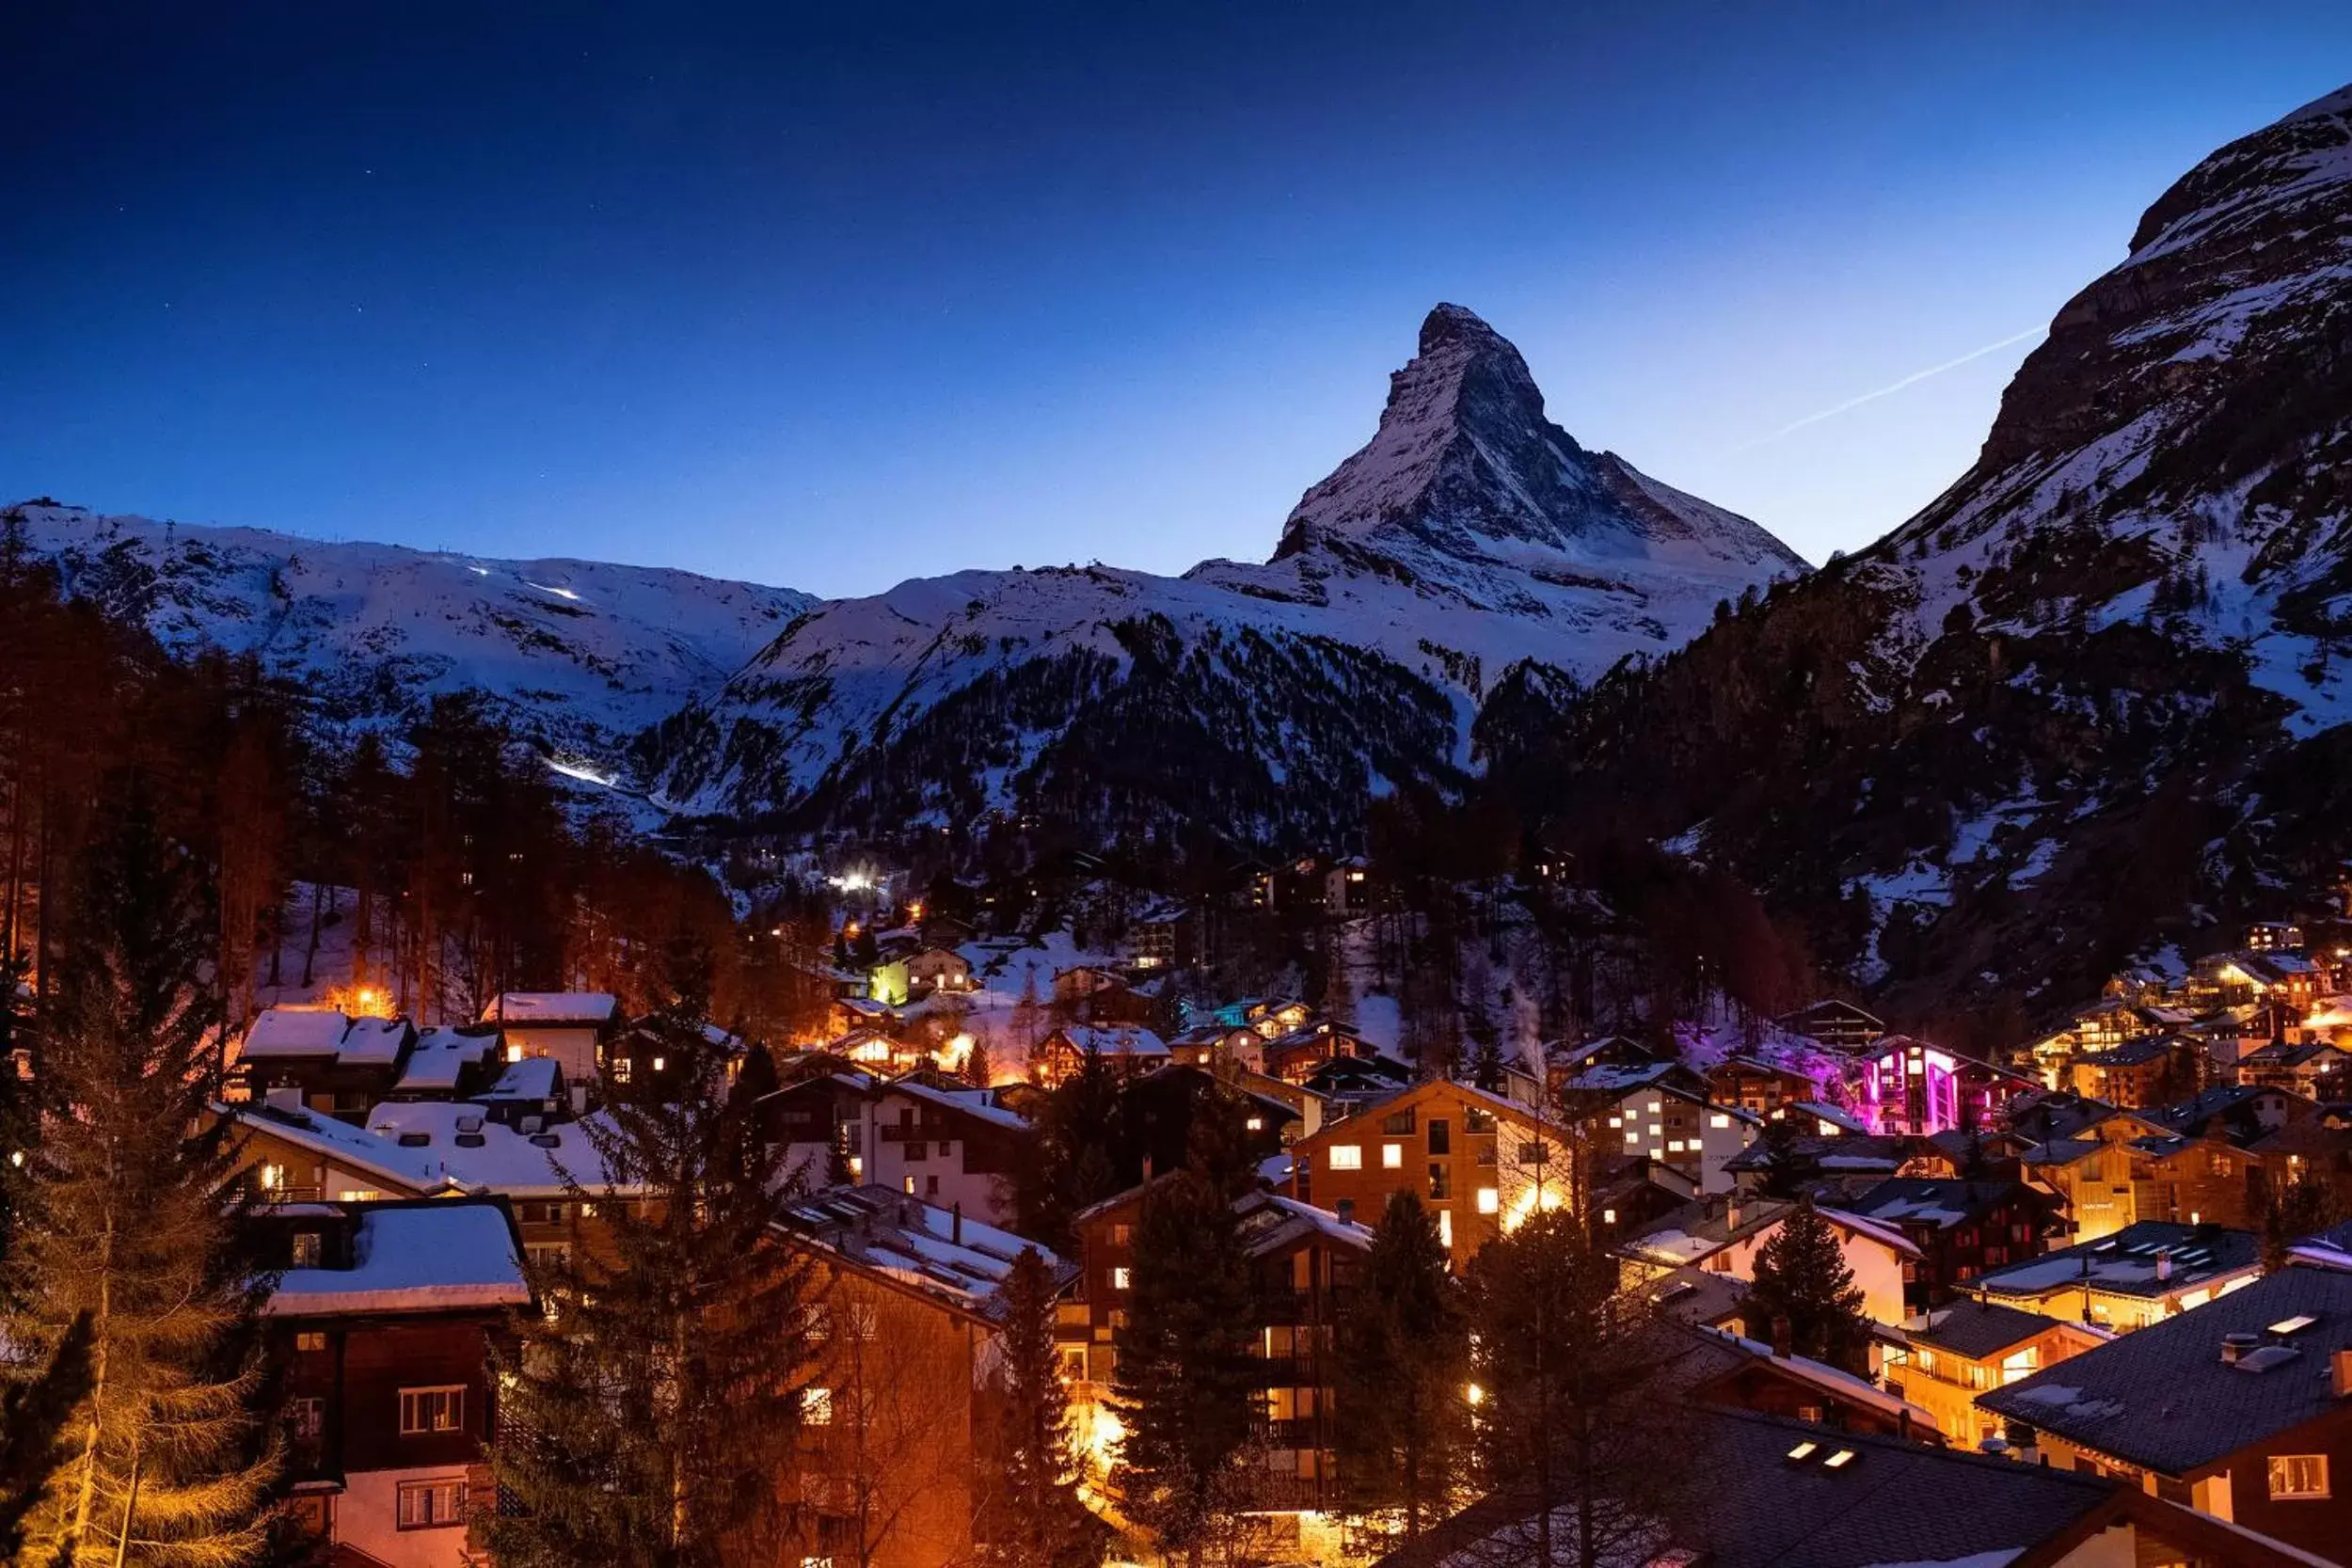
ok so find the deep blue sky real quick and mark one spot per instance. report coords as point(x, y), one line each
point(835, 295)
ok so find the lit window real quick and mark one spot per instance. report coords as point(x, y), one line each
point(1839, 1461)
point(1257, 1124)
point(311, 1339)
point(620, 1069)
point(2298, 1475)
point(1445, 1228)
point(1608, 1216)
point(1633, 1134)
point(429, 1410)
point(431, 1504)
point(816, 1406)
point(1674, 1146)
point(1719, 1119)
point(1391, 1156)
point(514, 1054)
point(273, 1178)
point(358, 1194)
point(1348, 1157)
point(1489, 1200)
point(910, 1186)
point(1616, 1121)
point(306, 1250)
point(660, 1063)
point(1120, 1279)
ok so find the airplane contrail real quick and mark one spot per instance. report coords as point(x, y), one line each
point(1888, 390)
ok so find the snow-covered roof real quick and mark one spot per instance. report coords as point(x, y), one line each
point(931, 1250)
point(374, 1041)
point(440, 1055)
point(469, 1150)
point(552, 1006)
point(975, 1103)
point(1822, 1375)
point(1271, 1221)
point(1114, 1039)
point(447, 1254)
point(532, 1078)
point(294, 1031)
point(347, 1146)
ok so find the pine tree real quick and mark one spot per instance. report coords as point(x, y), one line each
point(1402, 1368)
point(1802, 1279)
point(1033, 1517)
point(1069, 1163)
point(132, 1219)
point(36, 1438)
point(1568, 1414)
point(2287, 1213)
point(1183, 1383)
point(654, 1405)
point(977, 1066)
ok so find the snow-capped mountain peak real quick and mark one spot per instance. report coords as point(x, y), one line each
point(1466, 462)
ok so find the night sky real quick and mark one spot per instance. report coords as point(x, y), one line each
point(836, 295)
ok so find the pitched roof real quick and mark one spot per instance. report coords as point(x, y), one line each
point(552, 1007)
point(440, 1055)
point(1113, 1039)
point(294, 1031)
point(2125, 1262)
point(1892, 1502)
point(1978, 1329)
point(467, 1149)
point(2162, 1397)
point(931, 1251)
point(1939, 1201)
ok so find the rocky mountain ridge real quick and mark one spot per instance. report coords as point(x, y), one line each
point(1267, 703)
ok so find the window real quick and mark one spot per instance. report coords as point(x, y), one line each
point(1257, 1124)
point(1398, 1124)
point(311, 1339)
point(1478, 1123)
point(1440, 1182)
point(427, 1410)
point(1391, 1156)
point(930, 1186)
point(1440, 1138)
point(1348, 1157)
point(816, 1406)
point(432, 1504)
point(1489, 1200)
point(358, 1194)
point(620, 1069)
point(2298, 1475)
point(1445, 1228)
point(306, 1421)
point(306, 1250)
point(1719, 1119)
point(1123, 1235)
point(1122, 1279)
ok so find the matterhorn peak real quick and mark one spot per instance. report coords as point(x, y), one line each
point(1466, 463)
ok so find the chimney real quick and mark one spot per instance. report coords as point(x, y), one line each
point(2164, 1264)
point(2340, 1374)
point(956, 1232)
point(1784, 1339)
point(2235, 1346)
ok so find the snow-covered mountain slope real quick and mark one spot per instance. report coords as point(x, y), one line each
point(2093, 699)
point(1261, 701)
point(580, 654)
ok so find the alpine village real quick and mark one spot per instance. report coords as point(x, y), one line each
point(1531, 1027)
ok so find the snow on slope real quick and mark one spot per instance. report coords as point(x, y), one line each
point(582, 653)
point(1471, 533)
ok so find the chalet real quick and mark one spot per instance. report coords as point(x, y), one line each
point(1126, 1049)
point(381, 1323)
point(1279, 1017)
point(1956, 1353)
point(449, 1063)
point(290, 1155)
point(569, 1026)
point(1787, 1165)
point(953, 1147)
point(2274, 936)
point(2129, 1279)
point(862, 1015)
point(1479, 1161)
point(1347, 886)
point(1347, 1083)
point(1961, 1229)
point(1782, 1494)
point(320, 1058)
point(1840, 1026)
point(1092, 995)
point(1662, 1110)
point(1821, 1118)
point(2241, 1409)
point(2316, 1070)
point(910, 1299)
point(1759, 1086)
point(819, 1118)
point(1294, 1056)
point(2288, 982)
point(1723, 1236)
point(2154, 1070)
point(938, 968)
point(1563, 1060)
point(647, 1066)
point(1214, 1043)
